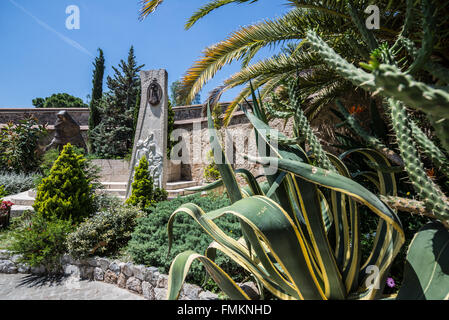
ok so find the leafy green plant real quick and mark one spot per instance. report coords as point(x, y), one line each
point(301, 238)
point(66, 193)
point(91, 170)
point(19, 143)
point(149, 245)
point(42, 242)
point(16, 182)
point(105, 233)
point(143, 193)
point(2, 192)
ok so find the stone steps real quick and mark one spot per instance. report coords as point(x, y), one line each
point(175, 185)
point(23, 201)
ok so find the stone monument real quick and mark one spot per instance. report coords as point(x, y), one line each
point(151, 131)
point(66, 131)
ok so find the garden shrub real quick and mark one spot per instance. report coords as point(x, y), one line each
point(105, 233)
point(48, 159)
point(149, 242)
point(19, 144)
point(142, 192)
point(42, 242)
point(16, 182)
point(66, 192)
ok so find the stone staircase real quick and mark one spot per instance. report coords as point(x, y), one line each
point(23, 201)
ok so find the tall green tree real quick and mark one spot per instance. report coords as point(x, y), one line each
point(97, 94)
point(59, 100)
point(113, 137)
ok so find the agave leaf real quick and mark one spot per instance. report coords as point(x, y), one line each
point(266, 270)
point(426, 273)
point(391, 235)
point(179, 269)
point(226, 172)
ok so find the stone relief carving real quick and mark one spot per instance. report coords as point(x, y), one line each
point(148, 148)
point(154, 93)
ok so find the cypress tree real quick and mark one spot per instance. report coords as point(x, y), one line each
point(97, 93)
point(114, 136)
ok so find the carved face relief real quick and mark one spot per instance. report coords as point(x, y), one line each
point(154, 93)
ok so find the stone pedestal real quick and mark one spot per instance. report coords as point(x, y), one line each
point(151, 130)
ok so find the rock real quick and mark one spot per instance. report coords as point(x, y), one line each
point(115, 267)
point(140, 272)
point(87, 272)
point(160, 293)
point(148, 291)
point(207, 295)
point(15, 258)
point(91, 262)
point(23, 268)
point(153, 277)
point(121, 281)
point(72, 270)
point(190, 291)
point(38, 270)
point(162, 281)
point(4, 254)
point(110, 277)
point(103, 263)
point(67, 259)
point(98, 274)
point(134, 284)
point(127, 269)
point(7, 266)
point(251, 290)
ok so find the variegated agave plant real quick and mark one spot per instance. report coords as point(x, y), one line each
point(301, 228)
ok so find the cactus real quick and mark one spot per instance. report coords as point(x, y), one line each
point(302, 129)
point(372, 141)
point(424, 277)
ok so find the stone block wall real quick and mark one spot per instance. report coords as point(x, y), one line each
point(113, 170)
point(139, 279)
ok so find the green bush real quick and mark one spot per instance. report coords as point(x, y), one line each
point(149, 242)
point(19, 144)
point(105, 233)
point(143, 194)
point(16, 182)
point(48, 159)
point(42, 242)
point(66, 192)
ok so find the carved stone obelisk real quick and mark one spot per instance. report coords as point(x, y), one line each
point(151, 130)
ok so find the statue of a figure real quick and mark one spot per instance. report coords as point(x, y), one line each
point(148, 148)
point(154, 93)
point(66, 131)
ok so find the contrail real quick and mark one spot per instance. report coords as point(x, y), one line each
point(67, 40)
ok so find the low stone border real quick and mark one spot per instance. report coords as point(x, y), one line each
point(146, 281)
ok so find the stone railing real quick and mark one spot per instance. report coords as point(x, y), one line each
point(146, 281)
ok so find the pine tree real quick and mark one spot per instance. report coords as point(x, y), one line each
point(114, 136)
point(142, 188)
point(97, 93)
point(66, 193)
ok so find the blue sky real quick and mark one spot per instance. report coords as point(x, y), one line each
point(40, 56)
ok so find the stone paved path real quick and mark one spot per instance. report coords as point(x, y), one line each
point(29, 287)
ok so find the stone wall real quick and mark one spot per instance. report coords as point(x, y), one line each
point(190, 120)
point(146, 281)
point(113, 170)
